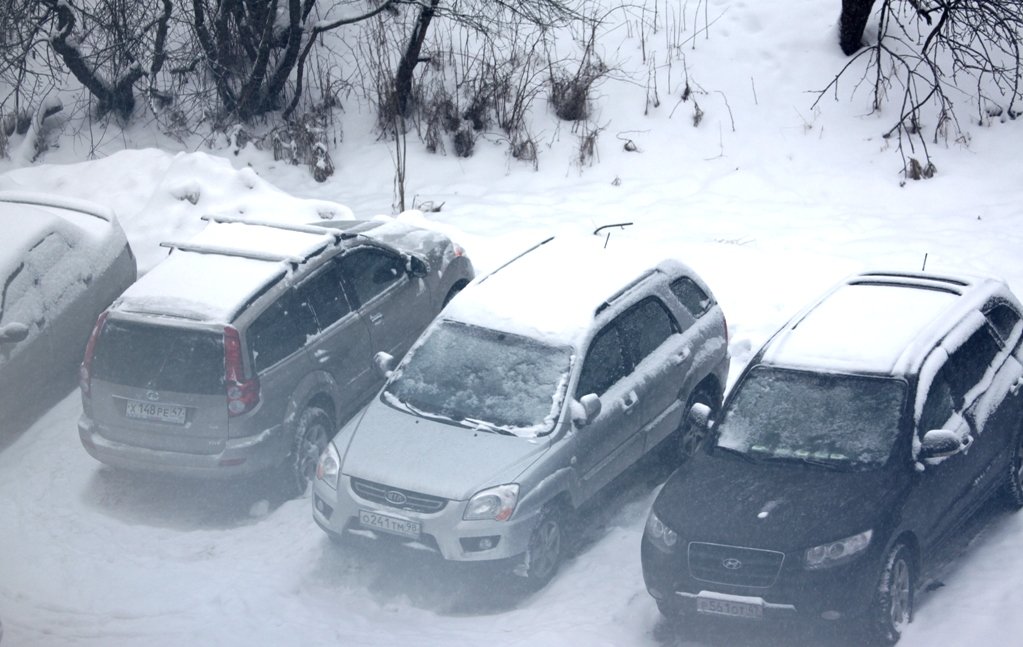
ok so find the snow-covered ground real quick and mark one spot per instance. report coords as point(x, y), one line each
point(769, 200)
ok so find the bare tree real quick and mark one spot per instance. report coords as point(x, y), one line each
point(929, 52)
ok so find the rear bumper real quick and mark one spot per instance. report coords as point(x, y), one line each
point(238, 457)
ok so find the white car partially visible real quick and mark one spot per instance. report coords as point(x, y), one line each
point(62, 262)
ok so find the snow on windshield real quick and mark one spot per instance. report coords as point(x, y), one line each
point(484, 378)
point(796, 414)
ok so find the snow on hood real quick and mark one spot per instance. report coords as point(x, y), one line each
point(395, 448)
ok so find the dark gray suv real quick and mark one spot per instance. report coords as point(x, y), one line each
point(248, 346)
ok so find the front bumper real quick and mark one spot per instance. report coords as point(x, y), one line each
point(238, 457)
point(443, 532)
point(841, 592)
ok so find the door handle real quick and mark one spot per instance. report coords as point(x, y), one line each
point(321, 354)
point(629, 401)
point(1016, 386)
point(376, 317)
point(683, 354)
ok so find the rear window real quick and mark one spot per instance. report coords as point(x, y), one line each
point(160, 358)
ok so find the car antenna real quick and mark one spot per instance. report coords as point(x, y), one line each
point(596, 231)
point(538, 245)
point(924, 268)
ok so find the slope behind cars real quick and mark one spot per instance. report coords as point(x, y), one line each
point(543, 382)
point(249, 344)
point(855, 443)
point(62, 262)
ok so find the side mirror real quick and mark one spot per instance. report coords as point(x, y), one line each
point(699, 416)
point(12, 333)
point(384, 363)
point(940, 443)
point(590, 404)
point(417, 267)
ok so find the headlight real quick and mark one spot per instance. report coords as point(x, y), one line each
point(329, 466)
point(661, 536)
point(496, 503)
point(836, 552)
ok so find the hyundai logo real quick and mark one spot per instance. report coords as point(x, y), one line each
point(152, 396)
point(731, 564)
point(395, 497)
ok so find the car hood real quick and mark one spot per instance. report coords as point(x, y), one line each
point(406, 451)
point(783, 506)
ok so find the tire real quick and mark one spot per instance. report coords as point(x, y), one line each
point(546, 547)
point(687, 439)
point(1014, 478)
point(312, 433)
point(892, 607)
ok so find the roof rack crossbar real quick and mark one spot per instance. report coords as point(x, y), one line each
point(229, 251)
point(305, 229)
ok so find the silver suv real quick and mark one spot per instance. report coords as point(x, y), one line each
point(543, 382)
point(248, 346)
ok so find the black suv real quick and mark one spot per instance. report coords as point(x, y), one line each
point(855, 442)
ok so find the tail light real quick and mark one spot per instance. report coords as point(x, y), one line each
point(85, 371)
point(242, 393)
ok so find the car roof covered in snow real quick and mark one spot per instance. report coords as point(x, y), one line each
point(554, 291)
point(25, 218)
point(878, 322)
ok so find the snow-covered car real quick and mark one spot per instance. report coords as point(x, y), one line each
point(540, 384)
point(857, 440)
point(247, 347)
point(62, 262)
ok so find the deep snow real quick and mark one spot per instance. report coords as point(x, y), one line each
point(770, 201)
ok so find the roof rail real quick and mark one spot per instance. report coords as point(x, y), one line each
point(534, 247)
point(58, 202)
point(633, 283)
point(229, 251)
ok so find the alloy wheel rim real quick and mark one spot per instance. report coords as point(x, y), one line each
point(900, 594)
point(309, 454)
point(548, 546)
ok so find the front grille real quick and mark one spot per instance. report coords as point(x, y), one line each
point(397, 498)
point(734, 565)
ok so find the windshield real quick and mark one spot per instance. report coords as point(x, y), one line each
point(817, 418)
point(483, 378)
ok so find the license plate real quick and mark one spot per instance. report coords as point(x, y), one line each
point(727, 607)
point(172, 413)
point(389, 524)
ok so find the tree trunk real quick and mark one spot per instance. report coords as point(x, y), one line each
point(403, 77)
point(851, 24)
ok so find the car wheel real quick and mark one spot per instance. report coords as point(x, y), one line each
point(1014, 480)
point(312, 433)
point(689, 437)
point(546, 547)
point(892, 608)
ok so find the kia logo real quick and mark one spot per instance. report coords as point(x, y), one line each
point(397, 498)
point(731, 564)
point(152, 396)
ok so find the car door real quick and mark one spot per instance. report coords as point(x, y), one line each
point(342, 343)
point(661, 357)
point(611, 438)
point(396, 306)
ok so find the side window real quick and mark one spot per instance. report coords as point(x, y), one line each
point(644, 327)
point(281, 330)
point(692, 296)
point(371, 271)
point(938, 406)
point(604, 364)
point(1004, 320)
point(326, 296)
point(969, 363)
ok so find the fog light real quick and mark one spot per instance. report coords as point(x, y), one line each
point(831, 615)
point(477, 544)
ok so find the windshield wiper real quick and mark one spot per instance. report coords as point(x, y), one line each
point(828, 464)
point(735, 452)
point(483, 425)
